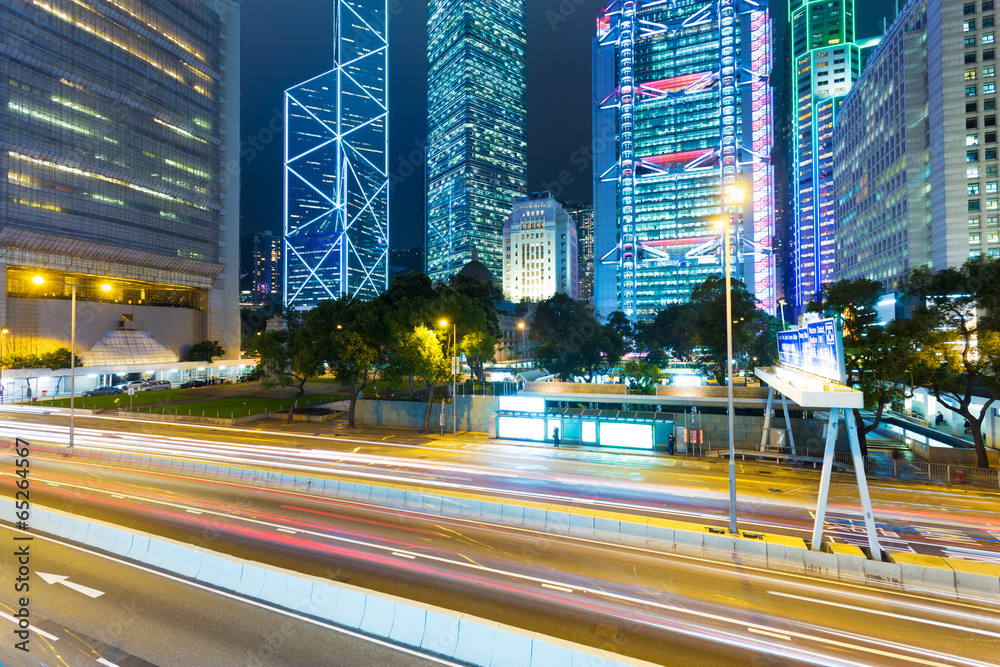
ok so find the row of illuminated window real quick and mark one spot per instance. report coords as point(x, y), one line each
point(58, 285)
point(971, 74)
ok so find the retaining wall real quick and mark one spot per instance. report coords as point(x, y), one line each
point(473, 413)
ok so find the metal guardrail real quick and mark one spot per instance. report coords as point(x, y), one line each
point(958, 475)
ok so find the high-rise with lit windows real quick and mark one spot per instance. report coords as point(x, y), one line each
point(540, 250)
point(476, 117)
point(916, 145)
point(266, 268)
point(336, 166)
point(682, 115)
point(825, 62)
point(119, 148)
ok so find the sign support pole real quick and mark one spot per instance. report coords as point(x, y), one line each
point(824, 485)
point(767, 418)
point(788, 424)
point(859, 473)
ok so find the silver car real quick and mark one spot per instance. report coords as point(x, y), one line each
point(156, 385)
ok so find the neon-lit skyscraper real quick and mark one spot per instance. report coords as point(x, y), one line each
point(682, 111)
point(336, 166)
point(825, 63)
point(476, 148)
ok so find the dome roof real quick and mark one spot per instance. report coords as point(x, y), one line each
point(476, 269)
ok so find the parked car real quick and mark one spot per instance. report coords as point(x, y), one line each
point(131, 383)
point(192, 383)
point(156, 385)
point(102, 391)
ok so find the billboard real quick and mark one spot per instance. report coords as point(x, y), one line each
point(816, 348)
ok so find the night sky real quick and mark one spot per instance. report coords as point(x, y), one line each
point(289, 42)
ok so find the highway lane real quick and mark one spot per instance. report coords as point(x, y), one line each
point(637, 601)
point(910, 517)
point(140, 617)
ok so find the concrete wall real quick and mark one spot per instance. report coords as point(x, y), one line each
point(473, 413)
point(176, 328)
point(575, 388)
point(810, 434)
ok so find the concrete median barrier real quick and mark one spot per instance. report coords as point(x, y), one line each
point(380, 612)
point(350, 608)
point(476, 640)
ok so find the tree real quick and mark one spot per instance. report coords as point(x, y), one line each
point(292, 357)
point(359, 338)
point(644, 375)
point(420, 354)
point(571, 341)
point(206, 350)
point(623, 327)
point(875, 356)
point(58, 359)
point(957, 327)
point(671, 332)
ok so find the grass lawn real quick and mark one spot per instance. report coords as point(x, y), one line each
point(232, 407)
point(143, 398)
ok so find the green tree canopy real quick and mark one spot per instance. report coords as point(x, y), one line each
point(571, 341)
point(206, 350)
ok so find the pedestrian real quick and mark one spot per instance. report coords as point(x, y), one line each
point(896, 456)
point(29, 393)
point(939, 419)
point(555, 436)
point(671, 442)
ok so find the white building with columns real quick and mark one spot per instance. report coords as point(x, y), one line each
point(540, 250)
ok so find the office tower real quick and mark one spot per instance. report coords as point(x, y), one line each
point(584, 216)
point(540, 250)
point(336, 166)
point(916, 146)
point(119, 123)
point(266, 268)
point(682, 116)
point(476, 148)
point(825, 62)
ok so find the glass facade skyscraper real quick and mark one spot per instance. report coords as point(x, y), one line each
point(682, 112)
point(336, 166)
point(476, 148)
point(118, 123)
point(825, 63)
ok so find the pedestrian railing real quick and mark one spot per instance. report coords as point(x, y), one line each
point(886, 466)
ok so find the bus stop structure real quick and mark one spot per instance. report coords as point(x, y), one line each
point(814, 393)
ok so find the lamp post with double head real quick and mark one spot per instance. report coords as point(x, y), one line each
point(40, 280)
point(733, 199)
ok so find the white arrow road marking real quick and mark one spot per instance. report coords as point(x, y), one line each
point(15, 621)
point(79, 588)
point(106, 663)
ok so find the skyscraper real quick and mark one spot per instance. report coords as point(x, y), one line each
point(682, 114)
point(826, 60)
point(336, 166)
point(917, 151)
point(266, 268)
point(119, 123)
point(583, 214)
point(540, 250)
point(476, 152)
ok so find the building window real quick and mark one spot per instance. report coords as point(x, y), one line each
point(967, 9)
point(988, 5)
point(989, 88)
point(987, 71)
point(991, 154)
point(970, 74)
point(993, 237)
point(973, 188)
point(970, 40)
point(973, 205)
point(970, 58)
point(972, 140)
point(989, 54)
point(988, 38)
point(972, 156)
point(973, 238)
point(989, 105)
point(994, 252)
point(971, 107)
point(970, 91)
point(991, 137)
point(969, 25)
point(972, 172)
point(987, 21)
point(974, 223)
point(971, 124)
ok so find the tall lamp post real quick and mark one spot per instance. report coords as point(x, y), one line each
point(734, 197)
point(40, 280)
point(520, 325)
point(3, 332)
point(781, 304)
point(454, 373)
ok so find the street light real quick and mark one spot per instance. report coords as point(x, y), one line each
point(782, 303)
point(3, 332)
point(454, 373)
point(40, 280)
point(520, 325)
point(734, 196)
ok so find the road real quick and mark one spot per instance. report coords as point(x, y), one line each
point(665, 608)
point(140, 617)
point(910, 517)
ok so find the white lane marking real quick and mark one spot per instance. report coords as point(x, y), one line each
point(192, 511)
point(115, 495)
point(402, 555)
point(64, 580)
point(287, 530)
point(889, 614)
point(15, 621)
point(238, 598)
point(106, 663)
point(558, 588)
point(769, 634)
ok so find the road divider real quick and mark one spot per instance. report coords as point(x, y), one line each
point(946, 577)
point(462, 637)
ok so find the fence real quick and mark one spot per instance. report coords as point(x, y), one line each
point(886, 466)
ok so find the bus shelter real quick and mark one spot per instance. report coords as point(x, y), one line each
point(606, 428)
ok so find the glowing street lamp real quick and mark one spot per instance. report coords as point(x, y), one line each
point(454, 373)
point(524, 347)
point(40, 280)
point(3, 332)
point(725, 224)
